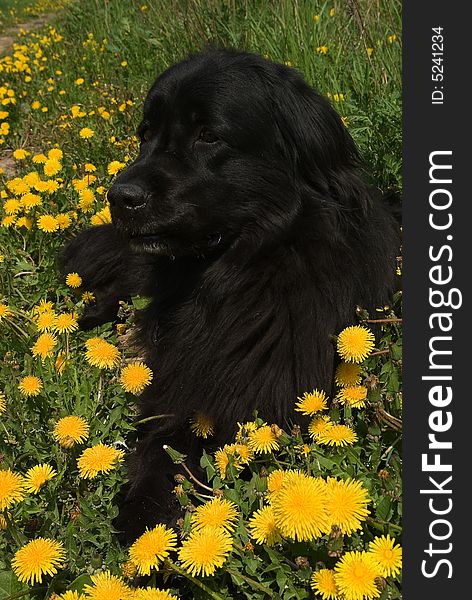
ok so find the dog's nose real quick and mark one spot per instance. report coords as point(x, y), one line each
point(128, 195)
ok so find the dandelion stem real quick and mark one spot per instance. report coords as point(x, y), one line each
point(194, 479)
point(379, 352)
point(392, 320)
point(24, 592)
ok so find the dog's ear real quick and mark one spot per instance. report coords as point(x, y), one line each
point(316, 142)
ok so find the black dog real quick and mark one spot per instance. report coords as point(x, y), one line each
point(246, 218)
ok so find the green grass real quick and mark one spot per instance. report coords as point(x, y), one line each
point(117, 48)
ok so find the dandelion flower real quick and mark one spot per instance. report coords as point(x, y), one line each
point(318, 425)
point(73, 280)
point(64, 220)
point(30, 385)
point(42, 307)
point(135, 377)
point(4, 311)
point(71, 430)
point(106, 586)
point(151, 547)
point(20, 154)
point(51, 167)
point(217, 513)
point(263, 440)
point(88, 297)
point(347, 374)
point(323, 583)
point(322, 49)
point(355, 575)
point(221, 462)
point(72, 595)
point(263, 527)
point(86, 133)
point(37, 476)
point(202, 426)
point(60, 362)
point(115, 166)
point(355, 343)
point(44, 345)
point(46, 320)
point(151, 593)
point(11, 488)
point(48, 223)
point(98, 459)
point(337, 435)
point(101, 353)
point(387, 554)
point(205, 550)
point(3, 403)
point(312, 402)
point(300, 507)
point(353, 395)
point(55, 153)
point(66, 322)
point(347, 501)
point(275, 481)
point(37, 558)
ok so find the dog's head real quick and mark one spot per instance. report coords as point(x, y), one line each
point(230, 143)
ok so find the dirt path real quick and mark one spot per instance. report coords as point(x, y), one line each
point(7, 39)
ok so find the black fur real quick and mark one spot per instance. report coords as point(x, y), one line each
point(247, 219)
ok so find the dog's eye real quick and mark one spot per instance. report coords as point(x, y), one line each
point(207, 136)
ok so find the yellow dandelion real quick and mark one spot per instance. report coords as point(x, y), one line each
point(115, 166)
point(39, 557)
point(63, 220)
point(55, 153)
point(355, 575)
point(106, 586)
point(217, 513)
point(89, 168)
point(347, 374)
point(51, 167)
point(311, 403)
point(48, 223)
point(86, 133)
point(12, 488)
point(39, 158)
point(392, 38)
point(46, 320)
point(11, 206)
point(202, 426)
point(323, 583)
point(71, 595)
point(345, 121)
point(205, 550)
point(355, 343)
point(151, 547)
point(98, 459)
point(71, 430)
point(347, 504)
point(263, 527)
point(30, 385)
point(42, 307)
point(4, 311)
point(300, 507)
point(8, 221)
point(66, 322)
point(20, 154)
point(73, 280)
point(275, 481)
point(37, 476)
point(128, 569)
point(101, 353)
point(24, 222)
point(353, 395)
point(29, 201)
point(135, 377)
point(88, 297)
point(101, 217)
point(3, 403)
point(387, 555)
point(337, 435)
point(263, 440)
point(318, 425)
point(322, 49)
point(44, 345)
point(61, 362)
point(221, 462)
point(86, 200)
point(151, 593)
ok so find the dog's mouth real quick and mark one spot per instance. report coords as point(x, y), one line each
point(163, 245)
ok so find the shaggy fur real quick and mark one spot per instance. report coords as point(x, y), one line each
point(247, 220)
